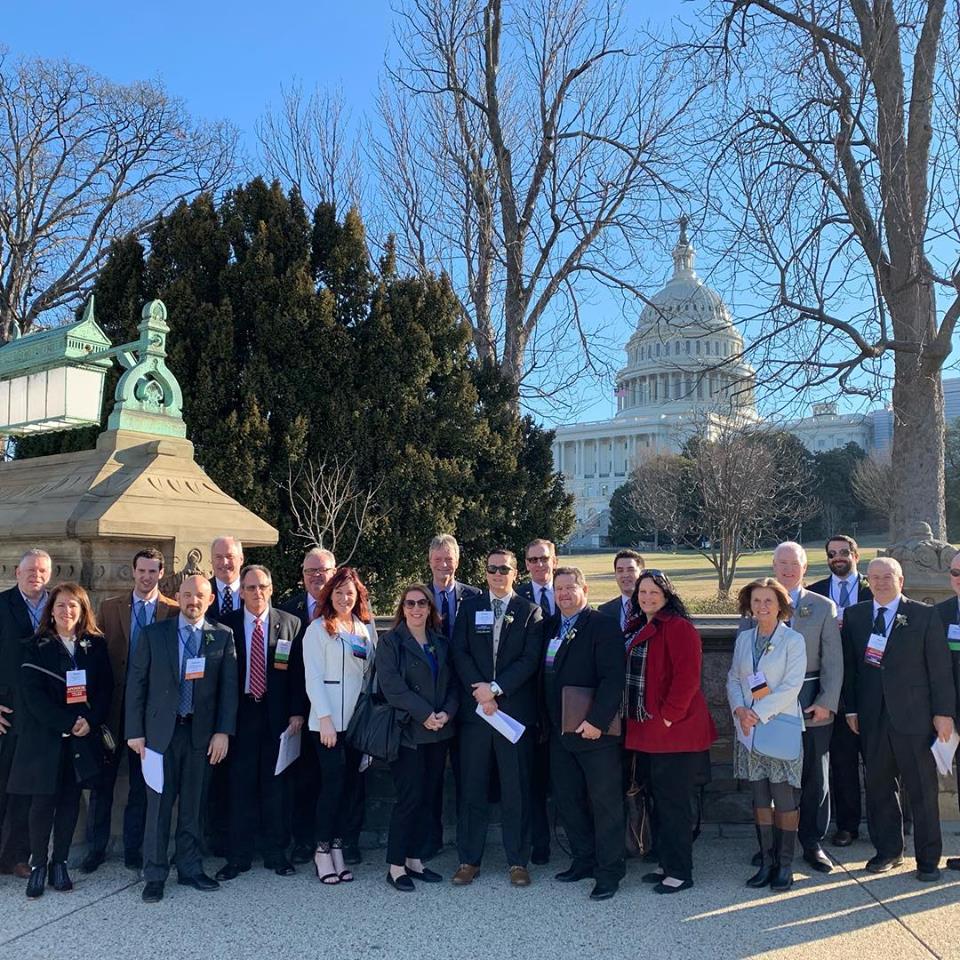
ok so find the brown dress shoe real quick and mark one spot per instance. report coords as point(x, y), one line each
point(465, 875)
point(20, 870)
point(519, 877)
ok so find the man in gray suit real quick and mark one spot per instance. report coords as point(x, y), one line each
point(181, 702)
point(815, 617)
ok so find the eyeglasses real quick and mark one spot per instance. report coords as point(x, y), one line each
point(316, 571)
point(538, 559)
point(831, 554)
point(410, 603)
point(257, 587)
point(954, 572)
point(498, 568)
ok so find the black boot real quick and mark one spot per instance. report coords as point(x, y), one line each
point(782, 878)
point(764, 821)
point(36, 883)
point(59, 878)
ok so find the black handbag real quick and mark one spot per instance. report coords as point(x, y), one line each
point(375, 726)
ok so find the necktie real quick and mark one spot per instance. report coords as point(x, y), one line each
point(844, 600)
point(139, 622)
point(316, 611)
point(545, 602)
point(880, 624)
point(226, 603)
point(624, 613)
point(497, 609)
point(190, 647)
point(445, 615)
point(258, 668)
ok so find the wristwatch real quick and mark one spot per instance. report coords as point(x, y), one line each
point(496, 689)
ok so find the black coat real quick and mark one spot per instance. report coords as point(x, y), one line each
point(297, 606)
point(405, 677)
point(948, 611)
point(914, 681)
point(47, 715)
point(593, 657)
point(15, 628)
point(518, 657)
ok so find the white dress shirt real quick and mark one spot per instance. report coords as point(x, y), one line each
point(235, 594)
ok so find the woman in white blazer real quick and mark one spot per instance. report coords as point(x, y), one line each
point(769, 662)
point(338, 651)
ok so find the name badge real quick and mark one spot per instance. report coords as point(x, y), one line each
point(281, 656)
point(758, 685)
point(876, 645)
point(76, 686)
point(953, 637)
point(359, 647)
point(194, 668)
point(483, 621)
point(552, 647)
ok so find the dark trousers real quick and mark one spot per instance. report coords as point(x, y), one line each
point(184, 772)
point(14, 810)
point(539, 790)
point(845, 776)
point(306, 785)
point(58, 812)
point(100, 808)
point(435, 828)
point(215, 807)
point(416, 772)
point(671, 784)
point(482, 750)
point(587, 790)
point(339, 782)
point(815, 785)
point(257, 797)
point(886, 754)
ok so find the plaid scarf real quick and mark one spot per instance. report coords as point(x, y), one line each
point(636, 636)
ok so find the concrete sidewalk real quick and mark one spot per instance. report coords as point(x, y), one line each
point(847, 914)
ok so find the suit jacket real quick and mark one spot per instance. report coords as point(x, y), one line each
point(286, 695)
point(47, 715)
point(214, 613)
point(153, 685)
point(518, 657)
point(593, 657)
point(461, 592)
point(406, 679)
point(914, 682)
point(783, 663)
point(823, 588)
point(612, 608)
point(297, 605)
point(15, 628)
point(114, 620)
point(948, 611)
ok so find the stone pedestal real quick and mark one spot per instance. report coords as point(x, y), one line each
point(926, 563)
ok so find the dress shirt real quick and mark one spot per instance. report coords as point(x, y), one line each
point(498, 623)
point(248, 623)
point(853, 586)
point(234, 591)
point(149, 611)
point(183, 622)
point(548, 592)
point(311, 606)
point(35, 609)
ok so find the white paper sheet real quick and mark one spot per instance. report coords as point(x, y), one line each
point(289, 750)
point(504, 724)
point(745, 738)
point(152, 766)
point(943, 751)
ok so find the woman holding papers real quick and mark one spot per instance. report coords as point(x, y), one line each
point(338, 651)
point(415, 672)
point(769, 663)
point(668, 721)
point(66, 687)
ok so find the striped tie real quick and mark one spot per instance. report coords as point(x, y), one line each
point(258, 669)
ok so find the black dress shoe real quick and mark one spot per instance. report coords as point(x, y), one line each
point(928, 874)
point(654, 877)
point(843, 838)
point(37, 882)
point(282, 868)
point(133, 860)
point(152, 891)
point(199, 881)
point(59, 878)
point(302, 853)
point(666, 888)
point(604, 891)
point(818, 859)
point(540, 857)
point(403, 883)
point(425, 876)
point(953, 863)
point(230, 871)
point(880, 864)
point(574, 873)
point(92, 860)
point(352, 855)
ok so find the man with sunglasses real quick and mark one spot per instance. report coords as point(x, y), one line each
point(497, 643)
point(845, 587)
point(949, 611)
point(540, 558)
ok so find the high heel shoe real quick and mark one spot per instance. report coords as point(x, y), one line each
point(329, 878)
point(37, 882)
point(343, 872)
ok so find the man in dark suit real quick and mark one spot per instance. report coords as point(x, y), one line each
point(497, 642)
point(845, 587)
point(122, 619)
point(585, 765)
point(319, 565)
point(540, 559)
point(181, 702)
point(272, 699)
point(627, 567)
point(20, 610)
point(897, 690)
point(949, 611)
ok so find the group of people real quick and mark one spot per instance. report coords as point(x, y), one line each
point(200, 695)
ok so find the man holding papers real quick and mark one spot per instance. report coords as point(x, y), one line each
point(497, 644)
point(899, 694)
point(272, 699)
point(181, 702)
point(949, 611)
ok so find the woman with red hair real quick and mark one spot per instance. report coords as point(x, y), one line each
point(338, 650)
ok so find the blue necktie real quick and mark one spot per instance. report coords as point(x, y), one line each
point(190, 647)
point(139, 622)
point(844, 601)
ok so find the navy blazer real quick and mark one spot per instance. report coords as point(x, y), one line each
point(153, 685)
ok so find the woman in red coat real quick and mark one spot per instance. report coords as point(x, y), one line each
point(668, 722)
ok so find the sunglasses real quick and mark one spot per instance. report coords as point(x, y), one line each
point(410, 603)
point(954, 572)
point(538, 559)
point(652, 572)
point(831, 554)
point(498, 568)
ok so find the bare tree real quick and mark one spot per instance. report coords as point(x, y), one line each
point(656, 495)
point(872, 483)
point(329, 507)
point(82, 162)
point(527, 153)
point(834, 176)
point(308, 142)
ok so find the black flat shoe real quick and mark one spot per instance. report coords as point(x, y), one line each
point(604, 891)
point(652, 877)
point(59, 878)
point(572, 874)
point(199, 881)
point(230, 871)
point(880, 864)
point(37, 882)
point(953, 863)
point(425, 876)
point(283, 868)
point(403, 883)
point(663, 888)
point(928, 875)
point(92, 861)
point(152, 891)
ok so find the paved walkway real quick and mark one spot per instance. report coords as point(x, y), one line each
point(848, 914)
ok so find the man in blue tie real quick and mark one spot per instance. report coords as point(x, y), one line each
point(540, 558)
point(627, 567)
point(122, 619)
point(181, 703)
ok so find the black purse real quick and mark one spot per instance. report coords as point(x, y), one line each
point(375, 726)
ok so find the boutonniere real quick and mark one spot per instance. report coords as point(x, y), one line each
point(207, 638)
point(900, 620)
point(804, 611)
point(85, 644)
point(571, 634)
point(769, 648)
point(508, 619)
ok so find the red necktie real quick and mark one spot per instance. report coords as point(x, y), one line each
point(258, 669)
